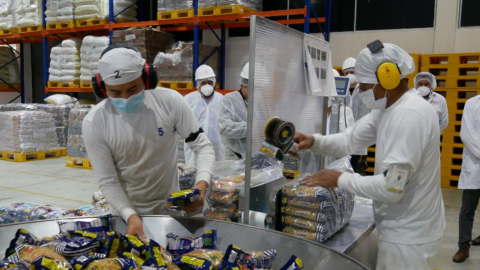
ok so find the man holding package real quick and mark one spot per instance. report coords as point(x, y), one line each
point(407, 199)
point(132, 136)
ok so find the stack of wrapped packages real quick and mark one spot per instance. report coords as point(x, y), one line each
point(316, 213)
point(61, 116)
point(148, 41)
point(186, 176)
point(59, 11)
point(27, 131)
point(167, 5)
point(24, 212)
point(99, 10)
point(176, 64)
point(90, 52)
point(8, 14)
point(9, 73)
point(75, 145)
point(228, 183)
point(30, 13)
point(65, 61)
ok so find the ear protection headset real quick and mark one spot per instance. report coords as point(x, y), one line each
point(388, 73)
point(149, 74)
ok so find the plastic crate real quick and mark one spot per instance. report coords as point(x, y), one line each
point(465, 82)
point(224, 10)
point(175, 14)
point(451, 149)
point(456, 104)
point(452, 161)
point(458, 93)
point(451, 138)
point(450, 59)
point(60, 25)
point(452, 70)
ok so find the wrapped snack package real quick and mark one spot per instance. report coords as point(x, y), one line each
point(308, 205)
point(293, 264)
point(308, 224)
point(101, 224)
point(192, 263)
point(134, 245)
point(26, 254)
point(220, 216)
point(261, 260)
point(213, 256)
point(80, 262)
point(184, 197)
point(46, 263)
point(110, 244)
point(24, 237)
point(178, 246)
point(104, 264)
point(74, 246)
point(128, 255)
point(223, 197)
point(186, 176)
point(310, 235)
point(154, 257)
point(235, 258)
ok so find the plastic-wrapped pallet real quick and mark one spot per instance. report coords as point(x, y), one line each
point(167, 5)
point(99, 10)
point(90, 52)
point(176, 64)
point(59, 11)
point(27, 131)
point(147, 40)
point(61, 116)
point(9, 73)
point(75, 144)
point(8, 14)
point(316, 213)
point(29, 13)
point(65, 61)
point(24, 212)
point(253, 4)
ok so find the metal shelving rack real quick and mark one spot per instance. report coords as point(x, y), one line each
point(195, 24)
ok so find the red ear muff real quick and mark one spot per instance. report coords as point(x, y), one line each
point(99, 87)
point(150, 77)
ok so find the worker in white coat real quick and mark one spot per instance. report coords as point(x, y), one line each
point(407, 198)
point(232, 119)
point(348, 69)
point(132, 138)
point(425, 82)
point(359, 108)
point(469, 177)
point(204, 104)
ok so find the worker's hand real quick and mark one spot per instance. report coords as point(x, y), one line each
point(324, 178)
point(202, 185)
point(304, 141)
point(135, 227)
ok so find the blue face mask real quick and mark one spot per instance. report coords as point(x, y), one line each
point(131, 104)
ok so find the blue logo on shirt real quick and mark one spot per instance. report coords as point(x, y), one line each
point(160, 131)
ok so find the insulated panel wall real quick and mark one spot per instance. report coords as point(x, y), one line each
point(279, 81)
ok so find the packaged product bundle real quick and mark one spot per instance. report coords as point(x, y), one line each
point(75, 144)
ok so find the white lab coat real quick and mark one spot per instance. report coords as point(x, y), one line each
point(440, 105)
point(406, 134)
point(359, 110)
point(232, 125)
point(206, 115)
point(342, 126)
point(470, 134)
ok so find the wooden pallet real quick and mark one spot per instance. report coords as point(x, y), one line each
point(81, 163)
point(29, 29)
point(53, 84)
point(9, 31)
point(177, 85)
point(86, 84)
point(175, 14)
point(89, 22)
point(60, 25)
point(24, 157)
point(224, 10)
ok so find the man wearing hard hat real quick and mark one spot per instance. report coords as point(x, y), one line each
point(232, 120)
point(204, 104)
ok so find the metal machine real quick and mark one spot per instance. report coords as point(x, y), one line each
point(313, 255)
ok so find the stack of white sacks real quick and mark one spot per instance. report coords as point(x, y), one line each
point(8, 14)
point(59, 11)
point(99, 9)
point(92, 48)
point(29, 12)
point(10, 73)
point(65, 61)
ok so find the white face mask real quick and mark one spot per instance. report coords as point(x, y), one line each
point(424, 91)
point(206, 90)
point(368, 99)
point(353, 78)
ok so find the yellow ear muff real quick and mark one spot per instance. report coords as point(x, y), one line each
point(388, 75)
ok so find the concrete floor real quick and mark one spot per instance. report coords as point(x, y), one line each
point(51, 182)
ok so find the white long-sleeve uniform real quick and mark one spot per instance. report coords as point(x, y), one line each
point(134, 155)
point(232, 125)
point(406, 134)
point(470, 134)
point(440, 105)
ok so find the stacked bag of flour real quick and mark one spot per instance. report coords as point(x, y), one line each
point(99, 9)
point(29, 13)
point(10, 72)
point(59, 11)
point(27, 131)
point(90, 52)
point(65, 61)
point(8, 14)
point(75, 145)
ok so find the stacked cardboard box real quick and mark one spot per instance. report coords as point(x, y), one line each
point(177, 64)
point(148, 41)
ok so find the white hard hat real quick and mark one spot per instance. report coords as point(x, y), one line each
point(244, 73)
point(335, 73)
point(425, 76)
point(349, 63)
point(204, 72)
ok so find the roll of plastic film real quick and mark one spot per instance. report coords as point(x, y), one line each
point(279, 132)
